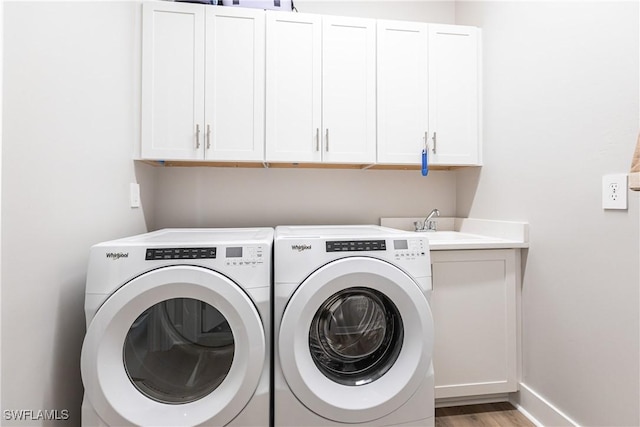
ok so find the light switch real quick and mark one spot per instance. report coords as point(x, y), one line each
point(134, 195)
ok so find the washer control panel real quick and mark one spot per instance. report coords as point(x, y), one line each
point(356, 245)
point(409, 249)
point(153, 254)
point(244, 255)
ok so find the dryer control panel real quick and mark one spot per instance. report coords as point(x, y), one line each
point(229, 255)
point(244, 255)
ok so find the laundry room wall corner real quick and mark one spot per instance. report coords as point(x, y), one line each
point(580, 316)
point(1, 97)
point(70, 72)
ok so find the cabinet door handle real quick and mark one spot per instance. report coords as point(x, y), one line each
point(197, 136)
point(326, 137)
point(426, 141)
point(435, 141)
point(317, 139)
point(208, 136)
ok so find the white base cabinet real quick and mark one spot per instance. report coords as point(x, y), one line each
point(475, 300)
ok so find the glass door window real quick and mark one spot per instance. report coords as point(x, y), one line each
point(178, 350)
point(356, 336)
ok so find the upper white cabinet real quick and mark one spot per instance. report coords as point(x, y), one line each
point(203, 82)
point(244, 85)
point(402, 91)
point(234, 83)
point(294, 87)
point(172, 80)
point(320, 89)
point(349, 89)
point(428, 93)
point(454, 95)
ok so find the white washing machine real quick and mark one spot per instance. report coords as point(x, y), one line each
point(178, 327)
point(353, 339)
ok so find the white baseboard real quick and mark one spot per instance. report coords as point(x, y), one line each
point(539, 410)
point(471, 400)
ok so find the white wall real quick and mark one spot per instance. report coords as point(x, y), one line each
point(71, 90)
point(560, 110)
point(228, 197)
point(1, 97)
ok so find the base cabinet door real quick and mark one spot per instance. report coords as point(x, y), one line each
point(475, 308)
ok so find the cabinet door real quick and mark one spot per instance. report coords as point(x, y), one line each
point(474, 304)
point(348, 84)
point(293, 87)
point(454, 95)
point(172, 81)
point(234, 84)
point(402, 91)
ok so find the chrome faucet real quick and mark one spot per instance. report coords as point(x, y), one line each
point(428, 224)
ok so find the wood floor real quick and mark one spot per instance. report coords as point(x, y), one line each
point(486, 415)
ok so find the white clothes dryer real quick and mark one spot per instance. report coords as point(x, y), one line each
point(353, 339)
point(178, 329)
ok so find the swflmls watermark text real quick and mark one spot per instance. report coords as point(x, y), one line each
point(36, 414)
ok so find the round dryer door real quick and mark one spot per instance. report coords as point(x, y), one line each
point(180, 345)
point(356, 340)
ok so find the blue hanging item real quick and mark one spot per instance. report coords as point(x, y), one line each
point(425, 157)
point(425, 163)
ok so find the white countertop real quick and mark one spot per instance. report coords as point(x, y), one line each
point(468, 233)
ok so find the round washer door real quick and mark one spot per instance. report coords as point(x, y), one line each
point(180, 345)
point(356, 340)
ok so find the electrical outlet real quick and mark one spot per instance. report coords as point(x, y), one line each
point(614, 191)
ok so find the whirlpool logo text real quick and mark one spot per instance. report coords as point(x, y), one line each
point(117, 255)
point(300, 248)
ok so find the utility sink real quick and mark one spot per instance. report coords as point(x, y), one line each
point(451, 235)
point(467, 233)
point(447, 239)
